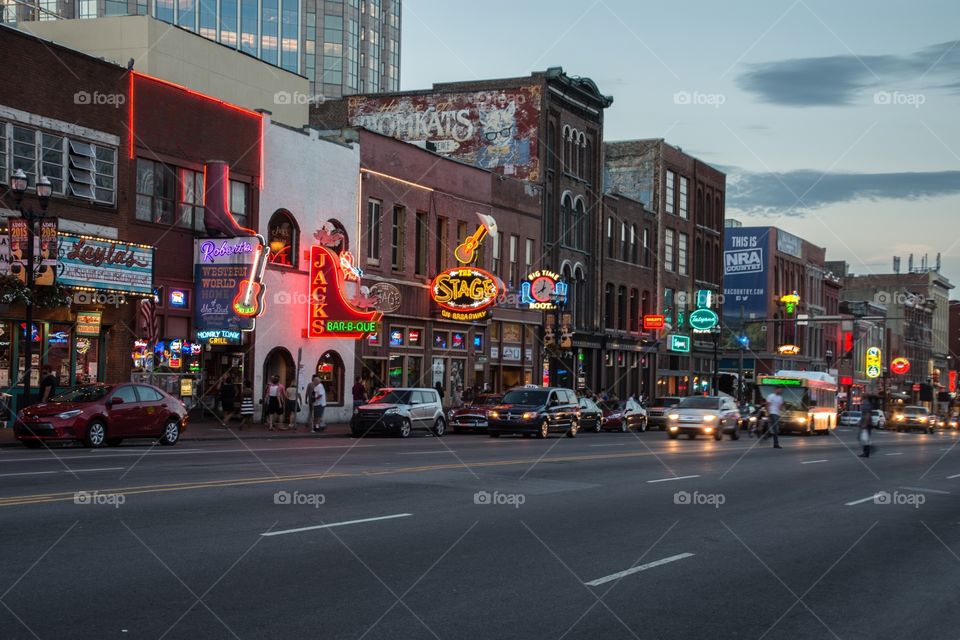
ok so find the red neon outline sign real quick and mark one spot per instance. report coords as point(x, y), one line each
point(654, 321)
point(326, 301)
point(900, 366)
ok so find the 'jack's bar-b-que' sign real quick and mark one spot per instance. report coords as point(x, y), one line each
point(330, 315)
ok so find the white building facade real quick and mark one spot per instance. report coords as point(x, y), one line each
point(310, 186)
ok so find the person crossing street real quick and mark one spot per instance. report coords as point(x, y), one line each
point(774, 409)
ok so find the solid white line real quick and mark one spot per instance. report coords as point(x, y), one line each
point(956, 475)
point(26, 473)
point(671, 479)
point(612, 444)
point(813, 461)
point(100, 469)
point(924, 490)
point(861, 501)
point(637, 569)
point(893, 454)
point(335, 524)
point(416, 453)
point(136, 453)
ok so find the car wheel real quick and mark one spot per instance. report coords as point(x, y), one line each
point(597, 427)
point(574, 428)
point(96, 434)
point(32, 444)
point(623, 427)
point(544, 430)
point(495, 434)
point(718, 434)
point(114, 442)
point(643, 425)
point(673, 436)
point(171, 433)
point(404, 430)
point(439, 428)
point(735, 434)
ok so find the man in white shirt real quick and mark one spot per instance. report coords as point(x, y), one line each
point(774, 409)
point(317, 395)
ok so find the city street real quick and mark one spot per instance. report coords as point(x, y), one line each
point(602, 536)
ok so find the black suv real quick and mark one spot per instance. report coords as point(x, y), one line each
point(535, 411)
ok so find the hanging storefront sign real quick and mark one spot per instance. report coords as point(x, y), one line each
point(704, 299)
point(703, 320)
point(387, 297)
point(543, 290)
point(679, 344)
point(109, 265)
point(46, 257)
point(873, 362)
point(900, 366)
point(88, 323)
point(330, 315)
point(19, 233)
point(788, 350)
point(464, 293)
point(228, 288)
point(790, 302)
point(952, 381)
point(652, 322)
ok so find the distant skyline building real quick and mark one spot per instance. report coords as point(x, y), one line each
point(342, 46)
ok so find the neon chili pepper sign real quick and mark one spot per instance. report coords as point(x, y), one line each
point(330, 315)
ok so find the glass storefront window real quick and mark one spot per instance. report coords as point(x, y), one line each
point(58, 352)
point(330, 370)
point(458, 340)
point(395, 372)
point(440, 339)
point(415, 338)
point(6, 354)
point(37, 334)
point(396, 337)
point(414, 368)
point(88, 357)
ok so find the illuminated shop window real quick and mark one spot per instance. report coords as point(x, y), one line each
point(283, 235)
point(330, 370)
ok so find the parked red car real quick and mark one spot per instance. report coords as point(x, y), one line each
point(473, 415)
point(101, 414)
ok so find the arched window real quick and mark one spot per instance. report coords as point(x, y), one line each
point(634, 256)
point(622, 308)
point(567, 147)
point(551, 145)
point(339, 233)
point(699, 215)
point(610, 236)
point(587, 162)
point(330, 370)
point(566, 220)
point(580, 308)
point(623, 241)
point(279, 363)
point(718, 212)
point(582, 155)
point(580, 220)
point(634, 320)
point(283, 237)
point(609, 308)
point(709, 213)
point(700, 259)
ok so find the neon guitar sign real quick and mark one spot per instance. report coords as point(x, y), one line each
point(248, 303)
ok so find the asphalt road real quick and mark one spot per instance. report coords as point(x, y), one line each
point(602, 536)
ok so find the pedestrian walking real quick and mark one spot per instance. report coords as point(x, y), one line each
point(359, 393)
point(292, 405)
point(48, 384)
point(228, 398)
point(317, 397)
point(273, 397)
point(774, 409)
point(866, 426)
point(246, 405)
point(439, 387)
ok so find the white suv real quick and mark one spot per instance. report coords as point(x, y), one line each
point(399, 411)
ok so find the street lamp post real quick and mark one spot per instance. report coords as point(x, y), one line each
point(716, 357)
point(18, 184)
point(559, 301)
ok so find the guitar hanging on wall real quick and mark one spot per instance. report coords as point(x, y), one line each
point(248, 303)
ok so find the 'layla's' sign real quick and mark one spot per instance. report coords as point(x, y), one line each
point(464, 293)
point(331, 316)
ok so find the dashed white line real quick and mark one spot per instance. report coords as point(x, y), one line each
point(956, 475)
point(416, 453)
point(612, 444)
point(637, 569)
point(100, 469)
point(41, 473)
point(335, 524)
point(925, 490)
point(26, 473)
point(157, 453)
point(861, 501)
point(894, 454)
point(671, 479)
point(813, 461)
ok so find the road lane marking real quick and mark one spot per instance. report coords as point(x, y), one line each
point(893, 454)
point(671, 479)
point(637, 569)
point(612, 444)
point(417, 453)
point(813, 461)
point(99, 469)
point(334, 524)
point(26, 473)
point(924, 490)
point(862, 500)
point(159, 453)
point(956, 475)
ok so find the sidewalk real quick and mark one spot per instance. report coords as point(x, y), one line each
point(199, 430)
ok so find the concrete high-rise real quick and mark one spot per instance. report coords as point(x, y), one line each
point(343, 47)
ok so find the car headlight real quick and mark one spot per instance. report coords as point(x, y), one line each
point(674, 427)
point(673, 416)
point(899, 418)
point(493, 414)
point(66, 415)
point(921, 419)
point(529, 415)
point(753, 418)
point(391, 410)
point(708, 429)
point(709, 418)
point(799, 419)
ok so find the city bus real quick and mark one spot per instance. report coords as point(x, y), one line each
point(809, 400)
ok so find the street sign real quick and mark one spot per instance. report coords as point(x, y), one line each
point(652, 322)
point(802, 319)
point(680, 344)
point(703, 320)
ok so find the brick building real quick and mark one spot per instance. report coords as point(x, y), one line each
point(545, 129)
point(688, 197)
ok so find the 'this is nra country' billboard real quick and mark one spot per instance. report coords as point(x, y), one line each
point(746, 252)
point(494, 129)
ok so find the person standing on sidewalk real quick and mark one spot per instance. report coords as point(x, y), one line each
point(228, 397)
point(774, 409)
point(317, 405)
point(866, 426)
point(273, 397)
point(359, 393)
point(246, 405)
point(292, 405)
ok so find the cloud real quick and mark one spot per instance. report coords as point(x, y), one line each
point(777, 193)
point(840, 80)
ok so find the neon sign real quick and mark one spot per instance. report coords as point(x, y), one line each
point(788, 349)
point(543, 290)
point(330, 315)
point(873, 362)
point(703, 320)
point(654, 321)
point(790, 302)
point(464, 293)
point(900, 366)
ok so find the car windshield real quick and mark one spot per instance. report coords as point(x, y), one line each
point(392, 396)
point(89, 393)
point(665, 402)
point(916, 411)
point(794, 398)
point(526, 396)
point(699, 402)
point(487, 401)
point(854, 414)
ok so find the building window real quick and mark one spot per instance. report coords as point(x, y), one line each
point(528, 260)
point(609, 310)
point(330, 372)
point(622, 308)
point(668, 250)
point(187, 14)
point(283, 236)
point(646, 247)
point(269, 30)
point(289, 36)
point(156, 184)
point(495, 242)
point(669, 186)
point(239, 203)
point(228, 23)
point(208, 16)
point(682, 254)
point(248, 26)
point(191, 199)
point(683, 198)
point(332, 49)
point(421, 243)
point(634, 321)
point(51, 160)
point(634, 255)
point(373, 231)
point(623, 241)
point(610, 236)
point(397, 238)
point(440, 245)
point(25, 152)
point(513, 277)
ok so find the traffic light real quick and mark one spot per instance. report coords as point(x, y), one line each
point(580, 356)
